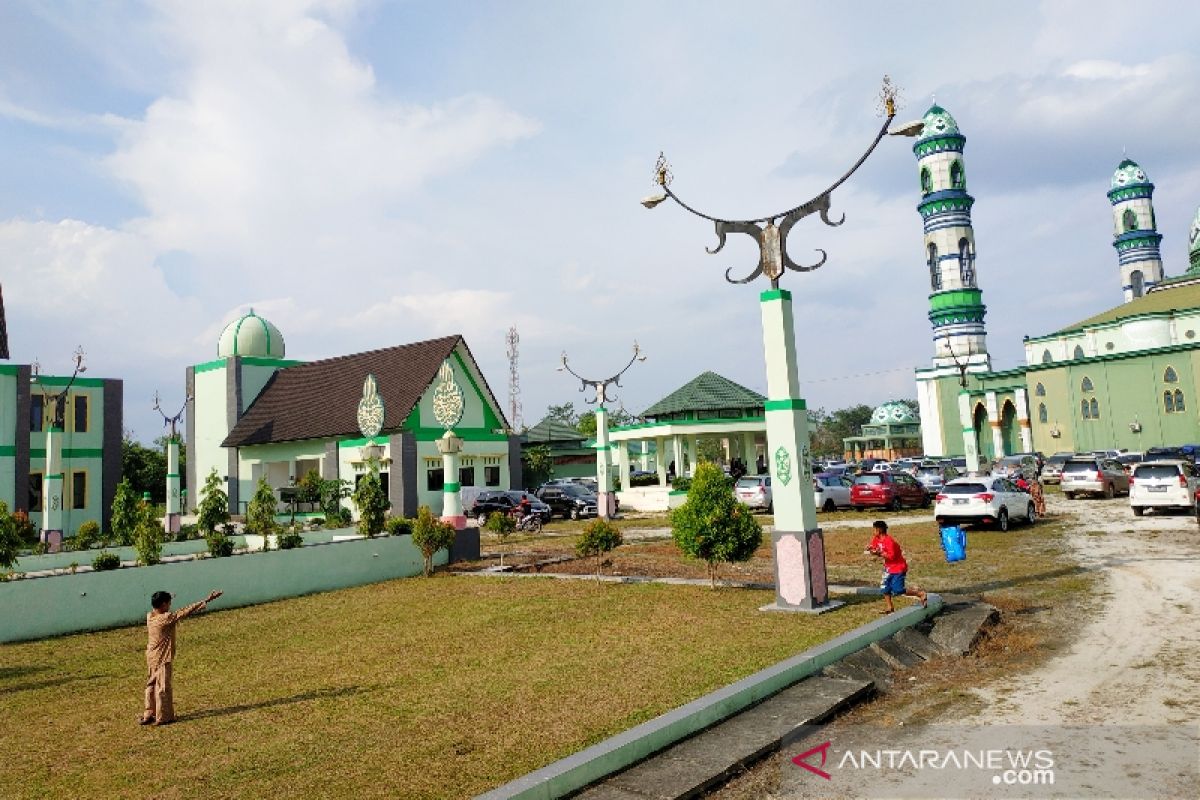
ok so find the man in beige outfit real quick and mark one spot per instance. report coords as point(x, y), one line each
point(160, 652)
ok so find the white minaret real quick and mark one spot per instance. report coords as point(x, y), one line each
point(1135, 232)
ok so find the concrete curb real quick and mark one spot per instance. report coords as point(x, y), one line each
point(576, 771)
point(834, 588)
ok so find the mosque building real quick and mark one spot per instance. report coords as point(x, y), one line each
point(253, 413)
point(1126, 378)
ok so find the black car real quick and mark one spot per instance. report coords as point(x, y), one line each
point(506, 502)
point(568, 500)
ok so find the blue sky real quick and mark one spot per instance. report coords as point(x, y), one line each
point(366, 174)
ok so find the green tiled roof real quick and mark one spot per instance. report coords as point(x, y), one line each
point(1157, 302)
point(552, 430)
point(706, 392)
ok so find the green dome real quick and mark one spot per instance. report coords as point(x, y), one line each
point(1128, 173)
point(893, 413)
point(938, 122)
point(1194, 234)
point(251, 335)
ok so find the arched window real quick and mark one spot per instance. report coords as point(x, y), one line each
point(957, 179)
point(1040, 390)
point(1095, 409)
point(1085, 410)
point(1168, 402)
point(1129, 220)
point(1042, 415)
point(1179, 400)
point(1078, 352)
point(926, 181)
point(1137, 283)
point(935, 272)
point(1170, 376)
point(1086, 385)
point(1046, 359)
point(966, 265)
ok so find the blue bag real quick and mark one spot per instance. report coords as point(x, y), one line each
point(954, 543)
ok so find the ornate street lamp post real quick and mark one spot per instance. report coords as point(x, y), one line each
point(605, 505)
point(52, 481)
point(799, 547)
point(174, 494)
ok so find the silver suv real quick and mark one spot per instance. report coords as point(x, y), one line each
point(1094, 475)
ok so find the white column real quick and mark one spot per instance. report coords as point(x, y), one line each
point(623, 464)
point(604, 499)
point(1022, 397)
point(994, 422)
point(661, 457)
point(748, 453)
point(677, 454)
point(452, 511)
point(800, 580)
point(644, 455)
point(52, 490)
point(172, 521)
point(967, 419)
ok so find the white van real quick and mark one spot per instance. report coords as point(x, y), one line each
point(1163, 485)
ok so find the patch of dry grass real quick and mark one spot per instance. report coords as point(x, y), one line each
point(414, 688)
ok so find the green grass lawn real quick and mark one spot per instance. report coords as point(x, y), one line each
point(414, 688)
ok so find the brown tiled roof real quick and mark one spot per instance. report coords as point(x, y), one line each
point(319, 399)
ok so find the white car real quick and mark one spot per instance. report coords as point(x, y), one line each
point(989, 499)
point(1161, 485)
point(755, 491)
point(881, 466)
point(831, 492)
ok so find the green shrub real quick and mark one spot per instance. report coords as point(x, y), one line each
point(125, 513)
point(260, 513)
point(87, 535)
point(220, 545)
point(213, 511)
point(643, 480)
point(106, 560)
point(148, 536)
point(290, 540)
point(25, 529)
point(712, 525)
point(41, 548)
point(681, 484)
point(398, 526)
point(10, 539)
point(371, 502)
point(599, 537)
point(430, 534)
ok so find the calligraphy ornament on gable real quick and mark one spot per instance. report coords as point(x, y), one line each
point(448, 402)
point(370, 409)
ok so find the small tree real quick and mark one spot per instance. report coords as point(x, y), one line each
point(430, 534)
point(148, 535)
point(308, 488)
point(502, 525)
point(87, 535)
point(372, 503)
point(10, 539)
point(332, 492)
point(537, 464)
point(712, 525)
point(599, 537)
point(213, 511)
point(125, 513)
point(260, 513)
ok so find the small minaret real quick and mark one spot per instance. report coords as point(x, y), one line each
point(956, 307)
point(1193, 249)
point(1135, 232)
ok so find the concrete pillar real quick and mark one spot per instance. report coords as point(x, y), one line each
point(661, 457)
point(970, 446)
point(677, 454)
point(643, 455)
point(749, 453)
point(1022, 398)
point(994, 423)
point(52, 490)
point(173, 505)
point(450, 446)
point(623, 469)
point(605, 506)
point(800, 579)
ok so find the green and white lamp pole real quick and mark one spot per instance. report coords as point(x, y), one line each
point(53, 477)
point(174, 490)
point(799, 546)
point(448, 405)
point(606, 506)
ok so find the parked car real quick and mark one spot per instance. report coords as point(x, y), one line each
point(1052, 469)
point(1094, 475)
point(989, 500)
point(568, 500)
point(891, 490)
point(959, 463)
point(831, 491)
point(755, 491)
point(881, 466)
point(1162, 485)
point(1166, 454)
point(934, 476)
point(506, 502)
point(1017, 466)
point(1129, 461)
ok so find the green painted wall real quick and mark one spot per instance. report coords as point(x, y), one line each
point(97, 600)
point(1058, 411)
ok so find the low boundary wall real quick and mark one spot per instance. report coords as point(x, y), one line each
point(88, 601)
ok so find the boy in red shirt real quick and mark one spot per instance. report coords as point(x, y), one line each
point(895, 568)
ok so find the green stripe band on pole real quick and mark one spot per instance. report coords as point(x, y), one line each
point(56, 477)
point(791, 404)
point(966, 428)
point(775, 294)
point(451, 487)
point(172, 474)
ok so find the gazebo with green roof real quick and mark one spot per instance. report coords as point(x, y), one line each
point(709, 405)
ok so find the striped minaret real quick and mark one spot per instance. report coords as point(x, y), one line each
point(956, 307)
point(1135, 231)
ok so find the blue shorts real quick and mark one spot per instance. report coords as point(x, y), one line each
point(893, 583)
